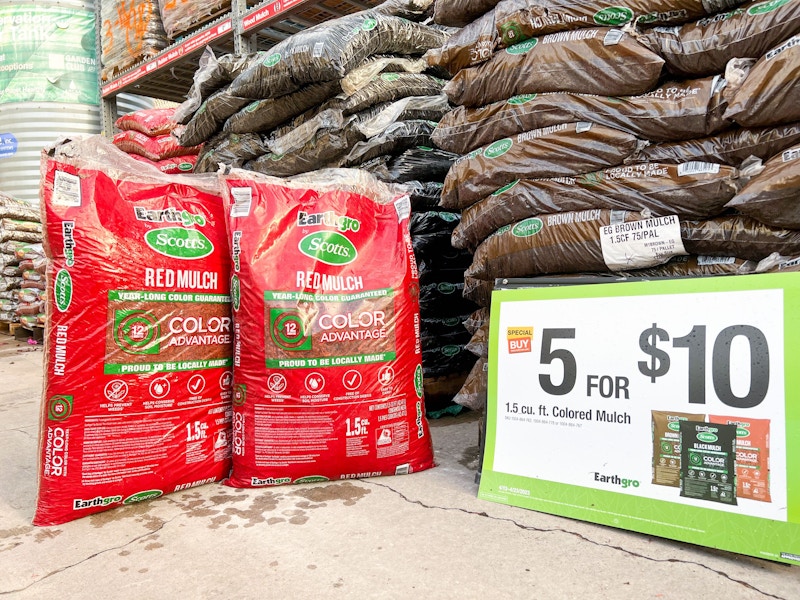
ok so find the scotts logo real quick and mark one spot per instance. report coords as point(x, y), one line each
point(176, 242)
point(272, 60)
point(452, 321)
point(505, 188)
point(707, 437)
point(765, 7)
point(185, 166)
point(675, 426)
point(499, 148)
point(527, 228)
point(502, 230)
point(311, 479)
point(448, 217)
point(62, 290)
point(741, 432)
point(369, 24)
point(168, 215)
point(253, 106)
point(390, 76)
point(521, 99)
point(59, 408)
point(142, 496)
point(451, 350)
point(613, 15)
point(418, 381)
point(446, 288)
point(523, 47)
point(236, 292)
point(329, 247)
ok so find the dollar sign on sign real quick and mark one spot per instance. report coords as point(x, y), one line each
point(659, 360)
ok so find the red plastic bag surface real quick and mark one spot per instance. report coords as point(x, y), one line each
point(327, 355)
point(138, 378)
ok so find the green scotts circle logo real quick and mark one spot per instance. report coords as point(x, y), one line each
point(613, 15)
point(510, 32)
point(741, 432)
point(390, 76)
point(59, 408)
point(765, 7)
point(418, 381)
point(177, 242)
point(369, 24)
point(499, 148)
point(137, 331)
point(446, 288)
point(253, 106)
point(452, 321)
point(185, 166)
point(502, 230)
point(62, 290)
point(505, 188)
point(707, 437)
point(523, 47)
point(674, 426)
point(236, 292)
point(448, 217)
point(272, 60)
point(451, 350)
point(329, 247)
point(527, 228)
point(521, 99)
point(142, 496)
point(311, 479)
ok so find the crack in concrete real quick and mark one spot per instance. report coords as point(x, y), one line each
point(579, 536)
point(88, 558)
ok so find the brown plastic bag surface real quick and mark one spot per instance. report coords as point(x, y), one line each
point(773, 196)
point(470, 46)
point(705, 46)
point(728, 148)
point(567, 149)
point(693, 190)
point(458, 13)
point(672, 111)
point(770, 94)
point(740, 236)
point(473, 393)
point(603, 61)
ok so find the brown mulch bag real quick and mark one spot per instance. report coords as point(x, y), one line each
point(458, 13)
point(673, 111)
point(698, 266)
point(773, 196)
point(740, 236)
point(729, 148)
point(603, 61)
point(690, 190)
point(519, 20)
point(705, 46)
point(567, 149)
point(770, 94)
point(473, 393)
point(470, 46)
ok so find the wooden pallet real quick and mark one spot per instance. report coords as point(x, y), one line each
point(8, 328)
point(25, 333)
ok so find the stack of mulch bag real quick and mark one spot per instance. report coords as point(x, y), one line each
point(130, 31)
point(22, 281)
point(586, 130)
point(151, 136)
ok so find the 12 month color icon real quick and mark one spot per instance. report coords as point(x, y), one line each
point(519, 339)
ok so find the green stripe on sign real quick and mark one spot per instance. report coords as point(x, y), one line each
point(165, 367)
point(330, 361)
point(307, 297)
point(151, 296)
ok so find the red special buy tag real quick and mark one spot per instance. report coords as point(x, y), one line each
point(327, 356)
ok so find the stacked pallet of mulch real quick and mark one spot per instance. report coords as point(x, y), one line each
point(151, 137)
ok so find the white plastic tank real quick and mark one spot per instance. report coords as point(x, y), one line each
point(49, 85)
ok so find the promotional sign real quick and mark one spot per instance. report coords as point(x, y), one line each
point(665, 407)
point(47, 54)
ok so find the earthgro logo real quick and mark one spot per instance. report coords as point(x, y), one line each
point(177, 242)
point(329, 247)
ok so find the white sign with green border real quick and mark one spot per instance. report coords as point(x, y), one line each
point(579, 374)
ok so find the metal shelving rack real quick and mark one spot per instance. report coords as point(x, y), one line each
point(246, 28)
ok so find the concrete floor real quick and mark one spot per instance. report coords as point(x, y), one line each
point(424, 535)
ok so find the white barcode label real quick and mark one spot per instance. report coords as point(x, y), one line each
point(402, 469)
point(618, 216)
point(613, 37)
point(582, 127)
point(66, 189)
point(318, 47)
point(707, 261)
point(790, 155)
point(242, 199)
point(696, 167)
point(403, 207)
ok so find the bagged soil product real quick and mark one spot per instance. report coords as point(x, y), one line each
point(9, 316)
point(445, 265)
point(230, 149)
point(11, 271)
point(425, 195)
point(667, 445)
point(373, 66)
point(752, 456)
point(390, 87)
point(473, 393)
point(137, 395)
point(413, 10)
point(328, 378)
point(151, 122)
point(689, 190)
point(769, 94)
point(17, 209)
point(16, 235)
point(171, 166)
point(155, 148)
point(130, 31)
point(446, 359)
point(708, 466)
point(602, 61)
point(773, 196)
point(24, 250)
point(181, 16)
point(429, 108)
point(11, 225)
point(470, 46)
point(443, 299)
point(265, 115)
point(672, 111)
point(280, 143)
point(396, 138)
point(739, 236)
point(457, 337)
point(439, 392)
point(698, 266)
point(705, 46)
point(730, 147)
point(210, 117)
point(330, 50)
point(421, 163)
point(458, 13)
point(9, 283)
point(9, 306)
point(431, 230)
point(479, 342)
point(560, 150)
point(574, 242)
point(442, 326)
point(776, 263)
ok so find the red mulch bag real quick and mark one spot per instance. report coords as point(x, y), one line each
point(151, 121)
point(155, 148)
point(171, 166)
point(327, 353)
point(138, 378)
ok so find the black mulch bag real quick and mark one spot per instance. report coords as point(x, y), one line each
point(231, 149)
point(434, 326)
point(389, 87)
point(444, 299)
point(210, 117)
point(421, 163)
point(396, 138)
point(445, 359)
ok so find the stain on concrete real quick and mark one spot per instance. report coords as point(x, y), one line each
point(134, 511)
point(218, 521)
point(469, 457)
point(15, 531)
point(275, 520)
point(46, 534)
point(124, 553)
point(298, 520)
point(263, 503)
point(339, 583)
point(348, 493)
point(154, 546)
point(311, 567)
point(306, 505)
point(226, 499)
point(274, 563)
point(123, 569)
